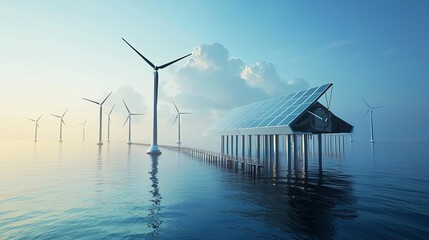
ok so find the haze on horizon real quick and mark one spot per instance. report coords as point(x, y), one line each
point(53, 53)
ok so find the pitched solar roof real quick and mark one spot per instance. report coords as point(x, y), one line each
point(271, 115)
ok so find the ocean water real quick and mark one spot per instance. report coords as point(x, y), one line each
point(51, 190)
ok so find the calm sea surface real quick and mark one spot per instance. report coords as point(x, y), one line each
point(51, 190)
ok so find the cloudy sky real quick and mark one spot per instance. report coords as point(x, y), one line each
point(53, 53)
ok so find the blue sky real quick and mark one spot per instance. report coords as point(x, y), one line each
point(55, 52)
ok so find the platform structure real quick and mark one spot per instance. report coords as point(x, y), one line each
point(254, 131)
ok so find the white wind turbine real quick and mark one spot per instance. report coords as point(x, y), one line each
point(36, 126)
point(61, 124)
point(178, 122)
point(108, 123)
point(154, 149)
point(371, 124)
point(83, 127)
point(129, 121)
point(101, 116)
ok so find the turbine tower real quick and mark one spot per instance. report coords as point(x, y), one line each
point(108, 123)
point(61, 124)
point(101, 117)
point(83, 133)
point(178, 123)
point(129, 121)
point(36, 127)
point(371, 123)
point(154, 149)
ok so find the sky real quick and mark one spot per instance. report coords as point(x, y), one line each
point(53, 53)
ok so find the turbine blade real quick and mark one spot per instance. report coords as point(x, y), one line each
point(147, 60)
point(64, 114)
point(367, 111)
point(37, 125)
point(185, 113)
point(126, 120)
point(366, 103)
point(175, 119)
point(126, 106)
point(379, 107)
point(39, 117)
point(105, 98)
point(111, 109)
point(85, 121)
point(31, 119)
point(56, 116)
point(63, 121)
point(168, 64)
point(136, 114)
point(91, 100)
point(176, 107)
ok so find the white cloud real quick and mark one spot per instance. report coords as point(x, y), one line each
point(297, 84)
point(212, 81)
point(264, 76)
point(335, 44)
point(328, 46)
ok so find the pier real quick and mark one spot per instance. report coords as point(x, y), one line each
point(268, 153)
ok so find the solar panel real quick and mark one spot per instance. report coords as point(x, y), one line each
point(275, 112)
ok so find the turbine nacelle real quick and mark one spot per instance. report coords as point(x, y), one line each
point(178, 123)
point(128, 119)
point(61, 123)
point(101, 106)
point(154, 149)
point(371, 124)
point(36, 127)
point(155, 68)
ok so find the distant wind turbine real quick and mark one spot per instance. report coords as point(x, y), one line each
point(83, 126)
point(101, 117)
point(129, 121)
point(154, 149)
point(371, 124)
point(178, 122)
point(108, 123)
point(61, 124)
point(36, 126)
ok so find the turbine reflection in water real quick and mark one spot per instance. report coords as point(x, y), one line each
point(99, 173)
point(154, 218)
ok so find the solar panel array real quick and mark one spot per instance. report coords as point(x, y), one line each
point(274, 112)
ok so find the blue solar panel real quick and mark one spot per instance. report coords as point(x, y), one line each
point(274, 112)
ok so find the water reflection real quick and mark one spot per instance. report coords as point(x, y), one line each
point(372, 152)
point(99, 172)
point(304, 205)
point(34, 151)
point(154, 218)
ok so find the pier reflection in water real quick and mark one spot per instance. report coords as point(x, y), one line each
point(302, 203)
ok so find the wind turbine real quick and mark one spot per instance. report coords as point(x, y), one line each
point(101, 117)
point(371, 124)
point(61, 124)
point(83, 126)
point(178, 123)
point(36, 127)
point(129, 121)
point(108, 123)
point(154, 149)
